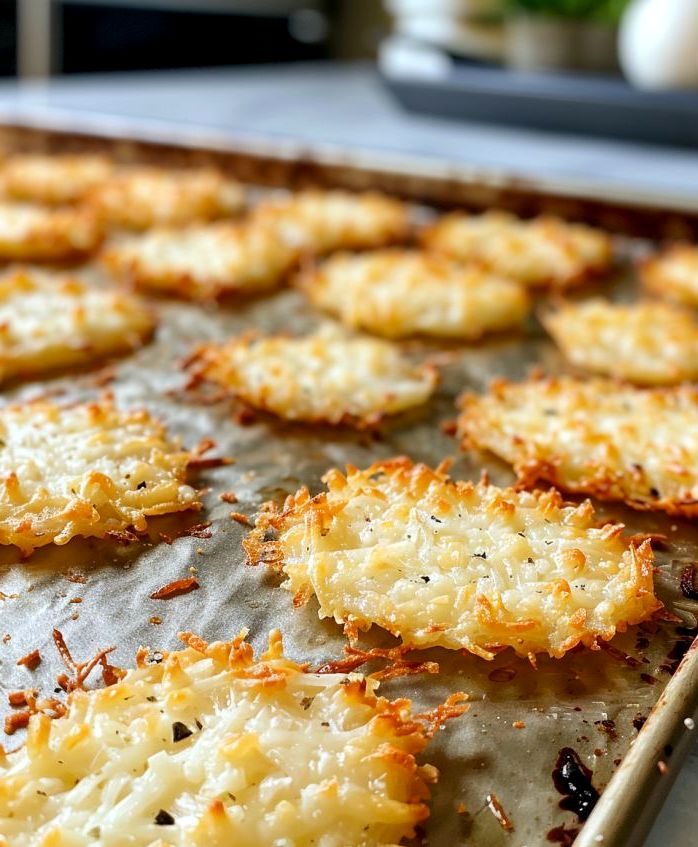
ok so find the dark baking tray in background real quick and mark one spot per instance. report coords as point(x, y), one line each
point(583, 104)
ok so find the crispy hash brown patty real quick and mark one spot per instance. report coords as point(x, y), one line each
point(53, 179)
point(646, 343)
point(544, 251)
point(594, 437)
point(673, 274)
point(87, 470)
point(399, 293)
point(49, 321)
point(456, 565)
point(324, 377)
point(35, 233)
point(212, 747)
point(142, 197)
point(203, 262)
point(321, 221)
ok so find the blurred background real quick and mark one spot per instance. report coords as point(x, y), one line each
point(85, 36)
point(82, 36)
point(568, 65)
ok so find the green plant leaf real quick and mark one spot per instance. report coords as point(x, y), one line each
point(608, 11)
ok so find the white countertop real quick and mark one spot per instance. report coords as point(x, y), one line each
point(347, 107)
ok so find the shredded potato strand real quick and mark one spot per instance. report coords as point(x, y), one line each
point(645, 343)
point(36, 233)
point(673, 274)
point(203, 262)
point(142, 197)
point(210, 747)
point(85, 470)
point(399, 293)
point(595, 437)
point(49, 321)
point(454, 564)
point(544, 251)
point(53, 179)
point(327, 376)
point(321, 221)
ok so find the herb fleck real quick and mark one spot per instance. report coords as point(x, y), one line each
point(164, 818)
point(180, 731)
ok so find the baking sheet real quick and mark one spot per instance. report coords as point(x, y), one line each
point(593, 702)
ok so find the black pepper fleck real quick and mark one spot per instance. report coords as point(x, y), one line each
point(180, 731)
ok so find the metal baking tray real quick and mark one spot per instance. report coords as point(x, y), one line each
point(626, 711)
point(578, 103)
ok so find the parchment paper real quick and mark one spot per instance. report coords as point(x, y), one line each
point(561, 704)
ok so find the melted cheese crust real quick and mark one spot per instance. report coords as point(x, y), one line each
point(400, 293)
point(142, 197)
point(595, 437)
point(645, 343)
point(454, 564)
point(49, 321)
point(321, 221)
point(324, 377)
point(53, 179)
point(233, 750)
point(673, 274)
point(86, 470)
point(203, 262)
point(35, 233)
point(540, 252)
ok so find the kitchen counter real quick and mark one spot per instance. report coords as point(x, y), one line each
point(346, 106)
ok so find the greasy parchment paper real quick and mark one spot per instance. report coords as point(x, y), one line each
point(562, 704)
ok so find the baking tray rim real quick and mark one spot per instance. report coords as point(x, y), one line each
point(149, 131)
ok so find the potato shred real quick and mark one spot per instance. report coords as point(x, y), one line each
point(208, 261)
point(645, 343)
point(213, 747)
point(50, 321)
point(324, 377)
point(544, 251)
point(400, 293)
point(673, 274)
point(88, 470)
point(203, 262)
point(142, 197)
point(53, 180)
point(321, 221)
point(596, 437)
point(40, 234)
point(454, 564)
